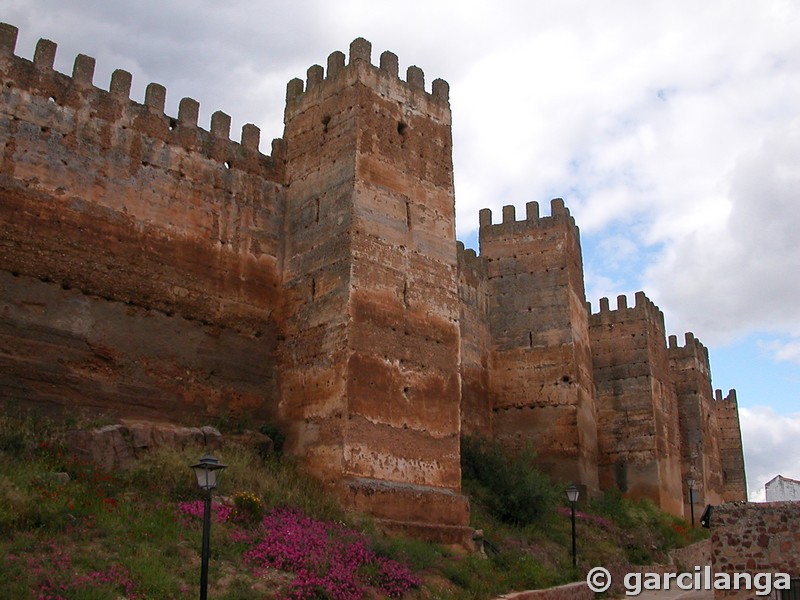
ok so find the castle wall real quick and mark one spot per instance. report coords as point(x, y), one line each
point(638, 421)
point(151, 268)
point(122, 205)
point(700, 453)
point(476, 406)
point(541, 379)
point(734, 481)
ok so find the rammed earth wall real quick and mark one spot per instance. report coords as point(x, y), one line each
point(153, 268)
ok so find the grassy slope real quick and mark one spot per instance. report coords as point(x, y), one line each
point(119, 535)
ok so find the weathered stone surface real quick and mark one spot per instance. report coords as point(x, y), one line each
point(119, 446)
point(151, 269)
point(541, 367)
point(637, 407)
point(755, 538)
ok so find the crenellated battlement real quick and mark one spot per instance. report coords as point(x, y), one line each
point(692, 349)
point(321, 82)
point(559, 214)
point(469, 259)
point(322, 286)
point(38, 79)
point(643, 308)
point(729, 399)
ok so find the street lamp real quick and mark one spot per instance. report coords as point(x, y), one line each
point(572, 495)
point(690, 485)
point(206, 471)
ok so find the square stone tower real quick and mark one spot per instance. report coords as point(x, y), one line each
point(541, 378)
point(370, 381)
point(637, 407)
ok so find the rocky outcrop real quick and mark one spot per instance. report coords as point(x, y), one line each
point(120, 445)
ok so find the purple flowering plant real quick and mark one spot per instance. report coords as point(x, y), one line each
point(327, 559)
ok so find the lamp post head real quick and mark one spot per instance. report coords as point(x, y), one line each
point(690, 482)
point(206, 472)
point(572, 493)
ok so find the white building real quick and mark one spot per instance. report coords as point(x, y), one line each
point(782, 488)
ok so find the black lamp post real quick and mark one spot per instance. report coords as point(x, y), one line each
point(690, 485)
point(206, 472)
point(572, 495)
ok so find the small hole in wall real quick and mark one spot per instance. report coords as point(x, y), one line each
point(406, 390)
point(402, 128)
point(227, 164)
point(325, 120)
point(173, 123)
point(51, 99)
point(566, 379)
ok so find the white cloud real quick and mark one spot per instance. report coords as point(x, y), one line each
point(782, 350)
point(771, 447)
point(740, 273)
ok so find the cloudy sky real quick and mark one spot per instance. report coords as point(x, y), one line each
point(670, 128)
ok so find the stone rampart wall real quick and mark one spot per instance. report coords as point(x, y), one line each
point(755, 538)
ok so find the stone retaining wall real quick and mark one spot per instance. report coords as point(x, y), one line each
point(571, 591)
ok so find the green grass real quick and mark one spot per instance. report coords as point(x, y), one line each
point(107, 535)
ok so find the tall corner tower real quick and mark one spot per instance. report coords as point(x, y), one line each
point(541, 359)
point(371, 382)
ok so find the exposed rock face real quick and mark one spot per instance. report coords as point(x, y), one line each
point(118, 446)
point(150, 269)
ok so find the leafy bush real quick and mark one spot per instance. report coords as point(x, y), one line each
point(248, 509)
point(513, 489)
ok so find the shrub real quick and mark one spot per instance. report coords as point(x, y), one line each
point(247, 508)
point(274, 433)
point(515, 491)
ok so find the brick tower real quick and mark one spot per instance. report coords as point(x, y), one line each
point(371, 383)
point(541, 361)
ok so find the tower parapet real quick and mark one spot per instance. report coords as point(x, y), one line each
point(693, 352)
point(383, 78)
point(559, 213)
point(643, 308)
